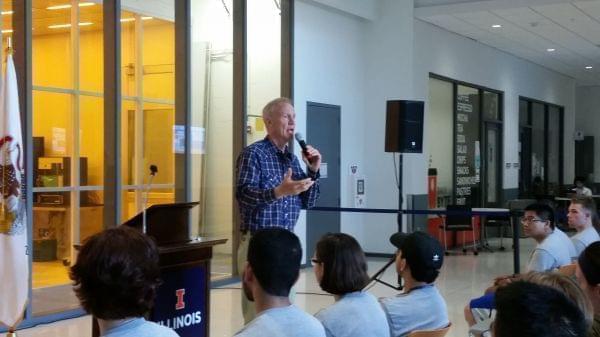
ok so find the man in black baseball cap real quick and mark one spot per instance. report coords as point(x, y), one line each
point(588, 276)
point(421, 306)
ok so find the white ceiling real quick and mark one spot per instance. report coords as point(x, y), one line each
point(529, 29)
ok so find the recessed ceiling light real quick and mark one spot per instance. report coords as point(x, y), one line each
point(127, 19)
point(496, 26)
point(83, 4)
point(7, 12)
point(147, 18)
point(550, 49)
point(7, 31)
point(67, 25)
point(589, 67)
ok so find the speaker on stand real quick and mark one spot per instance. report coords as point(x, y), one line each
point(403, 134)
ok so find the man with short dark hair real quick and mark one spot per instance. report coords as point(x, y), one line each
point(553, 249)
point(271, 269)
point(581, 216)
point(530, 310)
point(421, 306)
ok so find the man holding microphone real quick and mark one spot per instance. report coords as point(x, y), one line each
point(271, 185)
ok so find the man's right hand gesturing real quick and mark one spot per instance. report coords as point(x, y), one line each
point(292, 187)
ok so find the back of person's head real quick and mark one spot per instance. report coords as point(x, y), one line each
point(589, 264)
point(566, 285)
point(423, 253)
point(543, 211)
point(586, 203)
point(274, 255)
point(527, 309)
point(117, 274)
point(344, 264)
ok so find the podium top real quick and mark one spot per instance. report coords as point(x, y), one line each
point(167, 223)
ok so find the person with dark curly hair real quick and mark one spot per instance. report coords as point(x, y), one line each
point(340, 268)
point(115, 278)
point(587, 273)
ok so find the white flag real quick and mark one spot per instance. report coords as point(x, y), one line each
point(14, 262)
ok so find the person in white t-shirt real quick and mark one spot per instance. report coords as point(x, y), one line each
point(580, 189)
point(271, 269)
point(580, 216)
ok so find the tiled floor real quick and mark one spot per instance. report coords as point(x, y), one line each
point(462, 278)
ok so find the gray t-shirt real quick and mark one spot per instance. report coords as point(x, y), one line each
point(286, 321)
point(555, 251)
point(356, 314)
point(422, 308)
point(572, 251)
point(139, 327)
point(584, 238)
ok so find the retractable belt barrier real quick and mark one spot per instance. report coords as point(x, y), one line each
point(509, 214)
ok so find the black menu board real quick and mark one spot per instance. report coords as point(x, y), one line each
point(467, 150)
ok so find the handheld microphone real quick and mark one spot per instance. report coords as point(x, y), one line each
point(300, 139)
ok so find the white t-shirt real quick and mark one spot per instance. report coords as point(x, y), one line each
point(422, 308)
point(584, 238)
point(139, 327)
point(555, 251)
point(286, 321)
point(583, 191)
point(356, 314)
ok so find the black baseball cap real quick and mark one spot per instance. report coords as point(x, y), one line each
point(420, 250)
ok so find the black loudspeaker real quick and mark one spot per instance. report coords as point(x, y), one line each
point(404, 126)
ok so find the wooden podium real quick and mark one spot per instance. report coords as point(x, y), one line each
point(183, 300)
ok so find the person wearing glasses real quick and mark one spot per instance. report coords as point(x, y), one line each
point(340, 268)
point(554, 249)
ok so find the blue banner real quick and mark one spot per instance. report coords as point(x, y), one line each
point(181, 302)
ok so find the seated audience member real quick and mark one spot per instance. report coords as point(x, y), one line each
point(115, 278)
point(271, 269)
point(581, 217)
point(421, 306)
point(588, 276)
point(566, 285)
point(340, 268)
point(580, 189)
point(553, 250)
point(527, 309)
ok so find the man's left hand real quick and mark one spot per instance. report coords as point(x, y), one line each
point(312, 158)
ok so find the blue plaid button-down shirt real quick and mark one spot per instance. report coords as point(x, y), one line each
point(260, 168)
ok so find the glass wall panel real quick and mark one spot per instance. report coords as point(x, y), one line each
point(51, 45)
point(439, 137)
point(554, 162)
point(468, 148)
point(212, 127)
point(148, 108)
point(491, 109)
point(91, 214)
point(91, 140)
point(537, 147)
point(264, 57)
point(158, 55)
point(91, 47)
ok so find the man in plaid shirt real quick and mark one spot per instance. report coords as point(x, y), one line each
point(271, 185)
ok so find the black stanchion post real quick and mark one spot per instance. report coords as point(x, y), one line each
point(400, 194)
